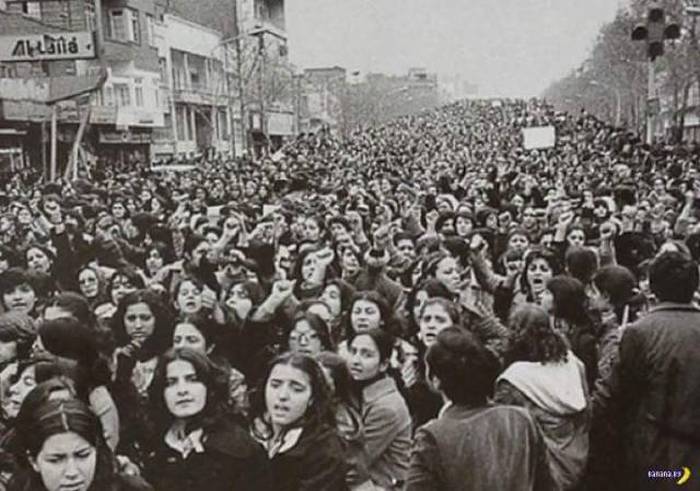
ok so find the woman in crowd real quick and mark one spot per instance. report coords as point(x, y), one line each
point(142, 327)
point(385, 416)
point(63, 443)
point(564, 299)
point(546, 378)
point(198, 445)
point(295, 423)
point(199, 333)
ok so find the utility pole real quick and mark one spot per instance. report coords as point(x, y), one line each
point(655, 32)
point(239, 76)
point(261, 87)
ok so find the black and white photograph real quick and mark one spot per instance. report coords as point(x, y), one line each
point(349, 245)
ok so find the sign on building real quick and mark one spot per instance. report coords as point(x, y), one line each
point(45, 47)
point(539, 137)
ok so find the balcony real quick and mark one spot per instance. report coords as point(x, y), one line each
point(200, 94)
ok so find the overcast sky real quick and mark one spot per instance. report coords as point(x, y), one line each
point(508, 47)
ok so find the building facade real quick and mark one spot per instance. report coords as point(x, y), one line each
point(323, 92)
point(195, 88)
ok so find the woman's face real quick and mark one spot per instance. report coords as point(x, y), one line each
point(121, 286)
point(538, 272)
point(20, 299)
point(88, 282)
point(350, 263)
point(24, 216)
point(433, 319)
point(185, 395)
point(118, 211)
point(66, 462)
point(304, 340)
point(312, 231)
point(331, 295)
point(365, 315)
point(576, 238)
point(239, 301)
point(463, 226)
point(37, 260)
point(364, 360)
point(18, 391)
point(139, 322)
point(186, 335)
point(154, 261)
point(518, 242)
point(288, 395)
point(447, 272)
point(189, 298)
point(308, 267)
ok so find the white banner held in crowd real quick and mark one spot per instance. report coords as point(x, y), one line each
point(539, 137)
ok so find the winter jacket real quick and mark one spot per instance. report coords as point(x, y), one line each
point(653, 395)
point(556, 396)
point(228, 459)
point(472, 449)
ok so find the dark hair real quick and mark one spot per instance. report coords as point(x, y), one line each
point(339, 372)
point(202, 323)
point(318, 325)
point(321, 410)
point(533, 338)
point(162, 249)
point(465, 369)
point(581, 262)
point(162, 336)
point(673, 277)
point(175, 291)
point(570, 300)
point(19, 328)
point(52, 417)
point(376, 298)
point(619, 284)
point(208, 373)
point(128, 272)
point(538, 253)
point(450, 307)
point(76, 304)
point(191, 243)
point(383, 339)
point(45, 250)
point(13, 277)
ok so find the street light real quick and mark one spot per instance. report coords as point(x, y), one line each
point(618, 99)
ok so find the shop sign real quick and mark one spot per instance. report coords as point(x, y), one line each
point(45, 47)
point(125, 137)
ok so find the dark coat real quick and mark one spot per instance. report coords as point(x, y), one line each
point(315, 463)
point(231, 460)
point(655, 391)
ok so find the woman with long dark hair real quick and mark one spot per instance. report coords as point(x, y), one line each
point(198, 444)
point(295, 422)
point(565, 300)
point(62, 439)
point(546, 378)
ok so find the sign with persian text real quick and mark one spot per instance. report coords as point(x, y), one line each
point(46, 47)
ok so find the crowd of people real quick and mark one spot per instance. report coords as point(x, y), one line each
point(423, 305)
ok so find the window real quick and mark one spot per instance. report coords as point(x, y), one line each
point(124, 25)
point(163, 67)
point(108, 96)
point(138, 92)
point(190, 130)
point(135, 27)
point(150, 30)
point(180, 117)
point(32, 9)
point(122, 95)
